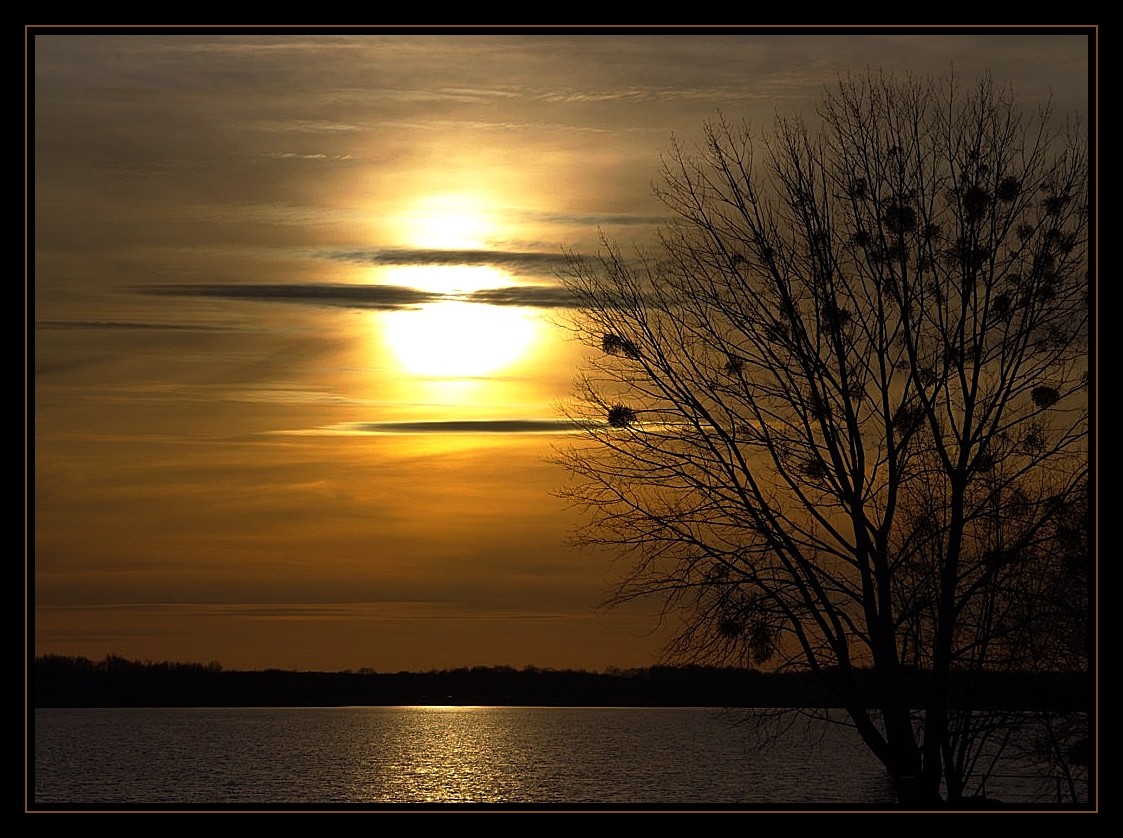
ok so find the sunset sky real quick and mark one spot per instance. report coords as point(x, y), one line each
point(297, 349)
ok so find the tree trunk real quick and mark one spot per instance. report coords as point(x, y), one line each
point(904, 759)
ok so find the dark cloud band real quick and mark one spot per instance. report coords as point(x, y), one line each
point(526, 262)
point(384, 297)
point(470, 426)
point(357, 296)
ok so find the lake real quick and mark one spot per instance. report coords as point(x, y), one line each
point(615, 757)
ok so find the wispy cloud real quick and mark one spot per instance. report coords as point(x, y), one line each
point(396, 609)
point(310, 126)
point(597, 219)
point(112, 325)
point(291, 155)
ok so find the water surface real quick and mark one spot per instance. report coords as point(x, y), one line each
point(422, 755)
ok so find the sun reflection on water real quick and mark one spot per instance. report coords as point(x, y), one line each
point(452, 754)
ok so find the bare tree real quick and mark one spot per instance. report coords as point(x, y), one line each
point(832, 419)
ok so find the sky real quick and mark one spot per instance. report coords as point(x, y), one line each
point(297, 355)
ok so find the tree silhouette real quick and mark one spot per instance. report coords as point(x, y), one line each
point(860, 355)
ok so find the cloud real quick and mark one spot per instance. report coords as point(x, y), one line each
point(353, 296)
point(476, 426)
point(290, 155)
point(529, 296)
point(404, 607)
point(597, 219)
point(533, 262)
point(382, 297)
point(468, 426)
point(69, 325)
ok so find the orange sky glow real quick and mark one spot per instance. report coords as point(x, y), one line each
point(298, 358)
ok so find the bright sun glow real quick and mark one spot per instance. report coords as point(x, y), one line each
point(446, 279)
point(453, 338)
point(459, 340)
point(448, 222)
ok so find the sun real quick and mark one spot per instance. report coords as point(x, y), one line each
point(453, 339)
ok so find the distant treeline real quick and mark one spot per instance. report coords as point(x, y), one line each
point(60, 681)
